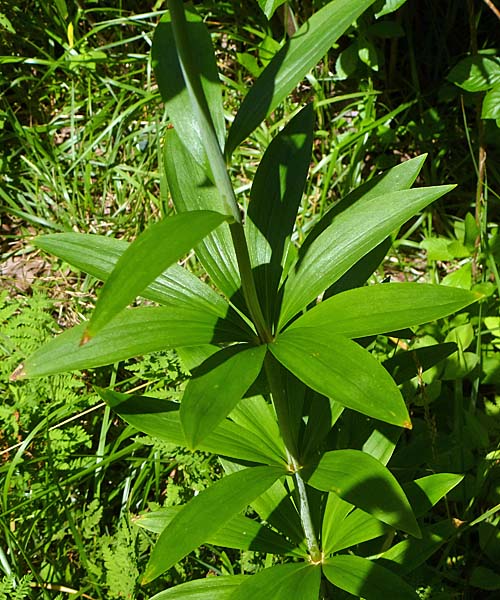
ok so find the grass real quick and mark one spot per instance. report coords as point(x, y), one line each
point(81, 126)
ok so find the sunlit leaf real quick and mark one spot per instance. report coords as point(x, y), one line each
point(340, 369)
point(476, 73)
point(208, 588)
point(216, 387)
point(383, 308)
point(425, 492)
point(353, 231)
point(287, 69)
point(363, 481)
point(205, 514)
point(363, 578)
point(282, 582)
point(158, 247)
point(133, 332)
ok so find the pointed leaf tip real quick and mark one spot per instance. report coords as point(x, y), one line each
point(86, 337)
point(408, 425)
point(18, 373)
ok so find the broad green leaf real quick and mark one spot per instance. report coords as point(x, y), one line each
point(275, 507)
point(405, 365)
point(216, 387)
point(363, 578)
point(299, 581)
point(173, 88)
point(362, 480)
point(98, 255)
point(385, 307)
point(287, 69)
point(258, 416)
point(356, 528)
point(425, 492)
point(274, 200)
point(485, 579)
point(160, 419)
point(354, 230)
point(382, 442)
point(385, 7)
point(205, 514)
point(240, 532)
point(269, 6)
point(340, 369)
point(203, 589)
point(133, 332)
point(411, 553)
point(336, 510)
point(476, 73)
point(160, 246)
point(491, 104)
point(192, 190)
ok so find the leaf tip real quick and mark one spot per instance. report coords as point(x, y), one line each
point(86, 337)
point(407, 424)
point(18, 373)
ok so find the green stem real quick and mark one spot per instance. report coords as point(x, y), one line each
point(276, 381)
point(218, 166)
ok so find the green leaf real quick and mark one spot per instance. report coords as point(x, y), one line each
point(274, 200)
point(192, 190)
point(298, 56)
point(342, 370)
point(385, 7)
point(425, 492)
point(269, 6)
point(173, 88)
point(275, 506)
point(485, 579)
point(354, 230)
point(356, 528)
point(146, 258)
point(98, 255)
point(209, 588)
point(491, 104)
point(363, 578)
point(160, 419)
point(476, 73)
point(133, 332)
point(385, 307)
point(360, 479)
point(411, 553)
point(282, 582)
point(336, 510)
point(205, 514)
point(216, 387)
point(241, 533)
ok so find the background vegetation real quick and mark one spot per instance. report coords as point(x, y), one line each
point(81, 123)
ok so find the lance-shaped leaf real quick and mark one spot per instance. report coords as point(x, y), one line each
point(363, 481)
point(205, 514)
point(192, 190)
point(385, 307)
point(340, 369)
point(298, 581)
point(209, 588)
point(356, 528)
point(240, 532)
point(98, 255)
point(365, 579)
point(425, 492)
point(352, 233)
point(160, 419)
point(406, 365)
point(287, 69)
point(411, 553)
point(274, 200)
point(173, 88)
point(133, 332)
point(269, 6)
point(146, 258)
point(215, 388)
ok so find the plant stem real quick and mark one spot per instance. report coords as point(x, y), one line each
point(276, 380)
point(218, 166)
